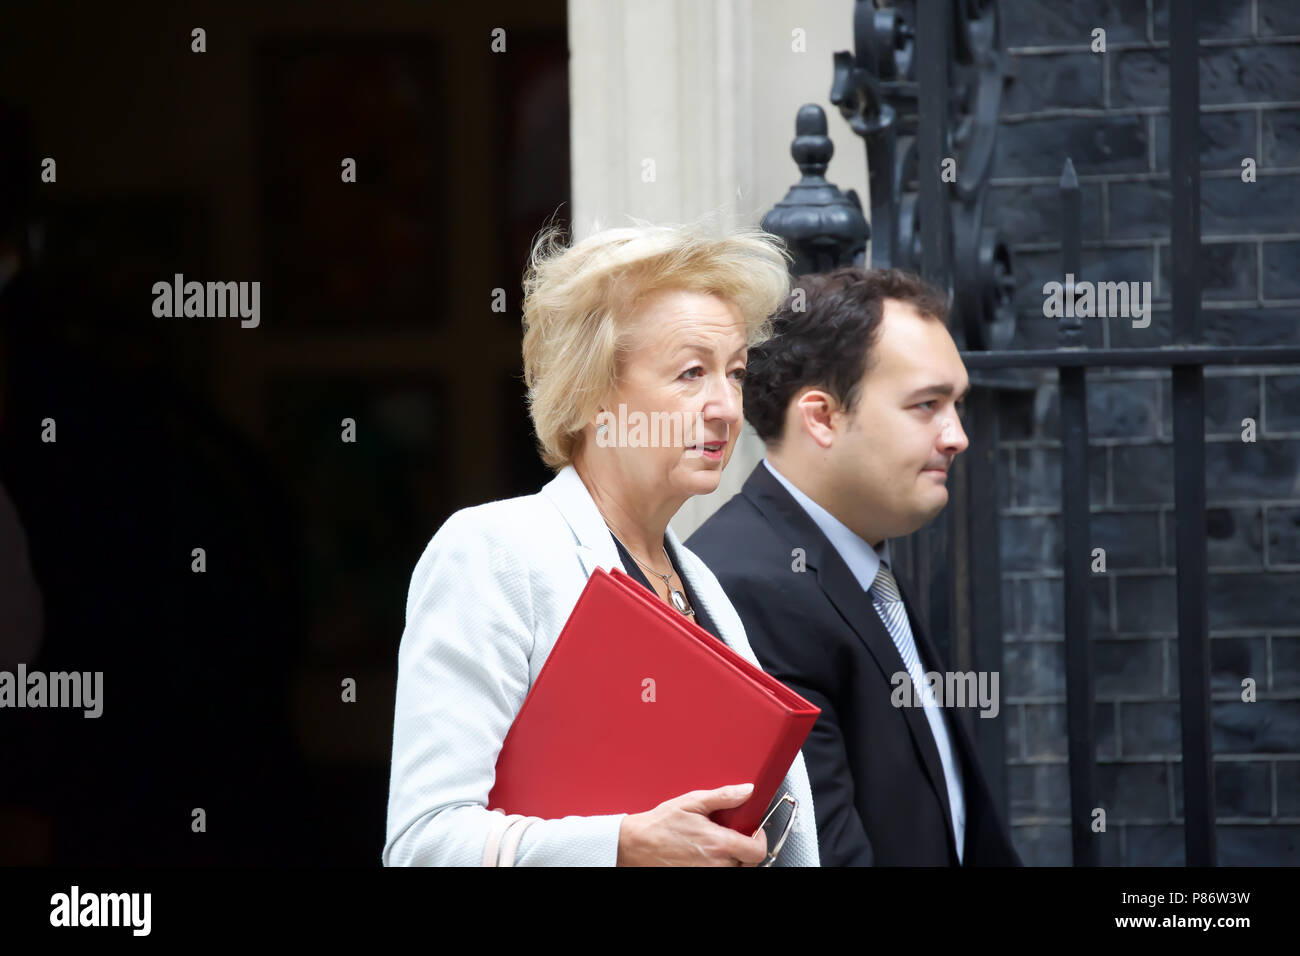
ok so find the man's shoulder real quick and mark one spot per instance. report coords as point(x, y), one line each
point(747, 554)
point(737, 512)
point(763, 576)
point(726, 537)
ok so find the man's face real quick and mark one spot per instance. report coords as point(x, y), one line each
point(891, 457)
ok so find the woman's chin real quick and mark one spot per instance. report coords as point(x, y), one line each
point(704, 482)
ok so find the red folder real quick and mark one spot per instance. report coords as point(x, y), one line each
point(637, 704)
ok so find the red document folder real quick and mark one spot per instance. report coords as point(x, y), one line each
point(637, 704)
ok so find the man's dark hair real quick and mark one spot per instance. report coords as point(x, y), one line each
point(824, 335)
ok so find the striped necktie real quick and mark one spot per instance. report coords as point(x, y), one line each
point(888, 601)
point(889, 605)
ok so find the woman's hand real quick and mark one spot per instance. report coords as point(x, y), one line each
point(679, 832)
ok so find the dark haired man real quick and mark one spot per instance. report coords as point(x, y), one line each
point(857, 399)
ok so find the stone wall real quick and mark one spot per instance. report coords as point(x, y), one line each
point(1109, 113)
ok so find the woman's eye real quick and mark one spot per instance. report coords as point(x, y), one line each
point(687, 373)
point(924, 404)
point(740, 374)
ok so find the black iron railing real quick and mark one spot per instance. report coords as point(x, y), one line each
point(913, 119)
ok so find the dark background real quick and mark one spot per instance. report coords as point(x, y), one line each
point(222, 689)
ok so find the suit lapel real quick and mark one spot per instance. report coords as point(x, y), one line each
point(595, 546)
point(704, 594)
point(854, 605)
point(963, 741)
point(592, 540)
point(801, 847)
point(930, 660)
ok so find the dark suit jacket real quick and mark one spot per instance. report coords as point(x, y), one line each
point(879, 792)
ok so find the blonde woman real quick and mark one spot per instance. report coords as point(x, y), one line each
point(645, 324)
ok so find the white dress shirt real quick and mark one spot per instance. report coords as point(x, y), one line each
point(864, 561)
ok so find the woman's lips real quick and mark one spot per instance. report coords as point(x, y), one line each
point(710, 450)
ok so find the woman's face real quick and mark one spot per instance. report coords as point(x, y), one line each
point(676, 411)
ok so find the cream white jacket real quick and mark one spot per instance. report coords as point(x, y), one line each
point(487, 600)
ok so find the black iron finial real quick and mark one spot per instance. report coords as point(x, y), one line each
point(1069, 327)
point(823, 226)
point(812, 149)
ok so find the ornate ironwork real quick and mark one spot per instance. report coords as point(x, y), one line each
point(881, 92)
point(823, 225)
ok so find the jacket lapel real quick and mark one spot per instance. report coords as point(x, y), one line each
point(591, 536)
point(853, 604)
point(801, 847)
point(705, 594)
point(595, 546)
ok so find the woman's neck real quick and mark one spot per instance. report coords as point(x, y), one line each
point(640, 529)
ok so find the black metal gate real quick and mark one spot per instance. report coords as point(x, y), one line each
point(924, 85)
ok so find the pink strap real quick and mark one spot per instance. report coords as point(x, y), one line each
point(499, 826)
point(511, 842)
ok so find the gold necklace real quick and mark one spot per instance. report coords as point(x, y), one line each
point(676, 597)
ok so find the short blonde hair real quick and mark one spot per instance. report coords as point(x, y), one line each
point(578, 301)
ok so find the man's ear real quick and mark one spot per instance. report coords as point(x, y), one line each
point(814, 413)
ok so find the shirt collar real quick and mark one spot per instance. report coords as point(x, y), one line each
point(863, 560)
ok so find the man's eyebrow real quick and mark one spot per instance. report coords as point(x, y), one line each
point(944, 389)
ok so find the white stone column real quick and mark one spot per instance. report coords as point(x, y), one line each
point(682, 109)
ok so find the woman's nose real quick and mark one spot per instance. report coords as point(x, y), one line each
point(725, 402)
